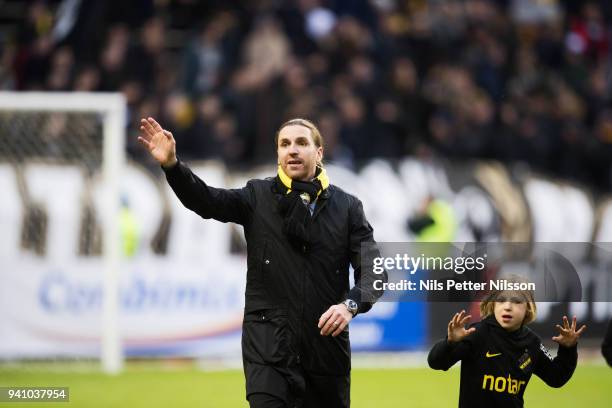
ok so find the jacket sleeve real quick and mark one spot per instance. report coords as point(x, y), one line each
point(606, 346)
point(225, 205)
point(556, 371)
point(361, 232)
point(443, 355)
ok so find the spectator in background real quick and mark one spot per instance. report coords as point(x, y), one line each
point(7, 75)
point(601, 149)
point(87, 79)
point(266, 49)
point(404, 95)
point(113, 58)
point(210, 54)
point(335, 151)
point(62, 70)
point(435, 221)
point(225, 135)
point(356, 131)
point(146, 56)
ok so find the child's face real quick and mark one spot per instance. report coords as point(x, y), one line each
point(510, 310)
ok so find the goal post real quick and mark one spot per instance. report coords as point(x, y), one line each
point(110, 109)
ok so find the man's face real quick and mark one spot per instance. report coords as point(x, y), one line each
point(297, 153)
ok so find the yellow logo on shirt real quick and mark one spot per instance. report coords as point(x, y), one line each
point(489, 355)
point(525, 363)
point(502, 384)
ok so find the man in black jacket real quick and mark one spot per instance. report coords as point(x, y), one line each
point(302, 233)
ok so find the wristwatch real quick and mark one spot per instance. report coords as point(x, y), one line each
point(351, 306)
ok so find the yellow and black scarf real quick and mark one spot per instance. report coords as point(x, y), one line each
point(293, 205)
point(312, 188)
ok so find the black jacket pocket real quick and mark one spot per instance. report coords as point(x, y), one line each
point(265, 338)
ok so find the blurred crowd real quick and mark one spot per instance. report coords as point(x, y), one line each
point(512, 80)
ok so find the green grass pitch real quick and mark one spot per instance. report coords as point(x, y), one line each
point(155, 386)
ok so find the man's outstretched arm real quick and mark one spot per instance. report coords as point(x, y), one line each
point(225, 205)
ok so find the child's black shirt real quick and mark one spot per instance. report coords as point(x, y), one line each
point(496, 365)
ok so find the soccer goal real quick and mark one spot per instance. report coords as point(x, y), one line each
point(61, 157)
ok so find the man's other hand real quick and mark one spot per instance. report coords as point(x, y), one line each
point(334, 320)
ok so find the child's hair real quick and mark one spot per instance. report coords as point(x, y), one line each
point(487, 306)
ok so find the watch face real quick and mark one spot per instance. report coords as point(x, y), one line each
point(352, 305)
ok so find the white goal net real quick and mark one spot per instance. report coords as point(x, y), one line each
point(61, 156)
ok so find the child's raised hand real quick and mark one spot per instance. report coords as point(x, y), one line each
point(568, 336)
point(456, 327)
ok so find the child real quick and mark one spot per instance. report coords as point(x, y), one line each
point(499, 353)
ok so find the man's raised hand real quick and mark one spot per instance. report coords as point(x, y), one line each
point(456, 327)
point(159, 142)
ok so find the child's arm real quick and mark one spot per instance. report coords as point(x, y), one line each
point(453, 348)
point(557, 371)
